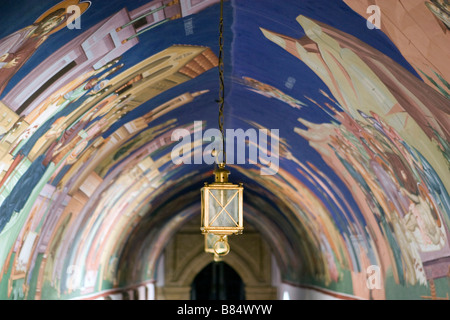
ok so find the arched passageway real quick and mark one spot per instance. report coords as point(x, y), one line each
point(339, 131)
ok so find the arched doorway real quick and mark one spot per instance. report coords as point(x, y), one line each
point(217, 281)
point(184, 258)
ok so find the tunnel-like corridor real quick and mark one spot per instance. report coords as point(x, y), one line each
point(337, 115)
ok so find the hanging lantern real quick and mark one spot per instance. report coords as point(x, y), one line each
point(222, 212)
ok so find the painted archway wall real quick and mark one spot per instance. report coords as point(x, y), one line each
point(90, 196)
point(184, 258)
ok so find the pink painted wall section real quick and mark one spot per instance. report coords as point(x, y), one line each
point(189, 7)
point(421, 38)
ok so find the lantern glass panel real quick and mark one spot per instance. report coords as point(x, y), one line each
point(224, 207)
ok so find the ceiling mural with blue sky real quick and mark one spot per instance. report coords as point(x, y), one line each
point(345, 157)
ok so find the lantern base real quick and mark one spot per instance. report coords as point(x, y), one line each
point(221, 247)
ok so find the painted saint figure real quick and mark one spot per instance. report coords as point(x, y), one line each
point(19, 46)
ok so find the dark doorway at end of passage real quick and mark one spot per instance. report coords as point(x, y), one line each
point(218, 281)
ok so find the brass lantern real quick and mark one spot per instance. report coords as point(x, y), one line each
point(222, 212)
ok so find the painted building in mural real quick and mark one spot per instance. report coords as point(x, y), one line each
point(93, 207)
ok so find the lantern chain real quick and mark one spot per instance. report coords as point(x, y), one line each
point(221, 100)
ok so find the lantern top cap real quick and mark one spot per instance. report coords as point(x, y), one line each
point(221, 174)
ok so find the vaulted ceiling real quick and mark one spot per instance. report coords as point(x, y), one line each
point(353, 173)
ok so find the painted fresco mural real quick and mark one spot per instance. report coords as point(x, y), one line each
point(91, 92)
